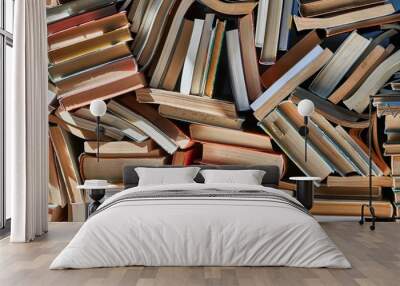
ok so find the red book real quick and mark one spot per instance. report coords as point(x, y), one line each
point(186, 157)
point(81, 19)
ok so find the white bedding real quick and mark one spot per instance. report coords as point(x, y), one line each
point(185, 231)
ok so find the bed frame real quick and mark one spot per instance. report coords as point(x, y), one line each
point(271, 177)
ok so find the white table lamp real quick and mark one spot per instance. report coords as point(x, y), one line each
point(305, 108)
point(98, 108)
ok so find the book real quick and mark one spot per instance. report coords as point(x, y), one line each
point(73, 8)
point(322, 143)
point(102, 74)
point(345, 56)
point(220, 154)
point(348, 149)
point(201, 55)
point(57, 192)
point(287, 137)
point(111, 169)
point(376, 156)
point(374, 22)
point(380, 40)
point(143, 124)
point(87, 62)
point(303, 23)
point(176, 65)
point(319, 8)
point(350, 208)
point(233, 8)
point(262, 14)
point(286, 25)
point(396, 185)
point(66, 156)
point(81, 19)
point(301, 71)
point(86, 31)
point(212, 134)
point(76, 131)
point(393, 138)
point(155, 153)
point(236, 73)
point(73, 120)
point(129, 130)
point(211, 69)
point(334, 113)
point(186, 157)
point(249, 57)
point(165, 125)
point(120, 147)
point(359, 100)
point(347, 193)
point(358, 76)
point(150, 31)
point(107, 85)
point(395, 165)
point(189, 102)
point(200, 116)
point(289, 59)
point(391, 148)
point(360, 151)
point(359, 181)
point(169, 44)
point(271, 36)
point(190, 59)
point(136, 13)
point(89, 45)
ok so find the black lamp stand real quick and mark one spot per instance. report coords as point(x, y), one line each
point(303, 131)
point(369, 205)
point(99, 134)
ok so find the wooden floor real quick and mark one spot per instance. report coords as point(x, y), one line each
point(375, 257)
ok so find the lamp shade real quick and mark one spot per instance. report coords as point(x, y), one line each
point(98, 107)
point(305, 107)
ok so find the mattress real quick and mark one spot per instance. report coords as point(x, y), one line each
point(201, 225)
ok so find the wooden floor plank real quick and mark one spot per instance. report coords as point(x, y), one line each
point(375, 257)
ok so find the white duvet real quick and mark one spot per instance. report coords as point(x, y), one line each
point(200, 231)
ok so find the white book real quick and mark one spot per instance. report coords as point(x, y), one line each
point(280, 83)
point(190, 60)
point(341, 62)
point(82, 123)
point(145, 125)
point(262, 14)
point(129, 130)
point(236, 70)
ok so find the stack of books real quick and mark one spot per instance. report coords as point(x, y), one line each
point(217, 82)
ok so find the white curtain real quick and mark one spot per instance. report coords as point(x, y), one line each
point(26, 123)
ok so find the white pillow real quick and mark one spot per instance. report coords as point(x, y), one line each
point(246, 177)
point(166, 176)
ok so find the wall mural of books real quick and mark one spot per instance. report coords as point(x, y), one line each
point(217, 82)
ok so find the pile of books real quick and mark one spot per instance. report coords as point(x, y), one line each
point(387, 103)
point(217, 82)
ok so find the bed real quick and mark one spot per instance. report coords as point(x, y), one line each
point(197, 224)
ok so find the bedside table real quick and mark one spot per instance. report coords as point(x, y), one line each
point(96, 191)
point(305, 190)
